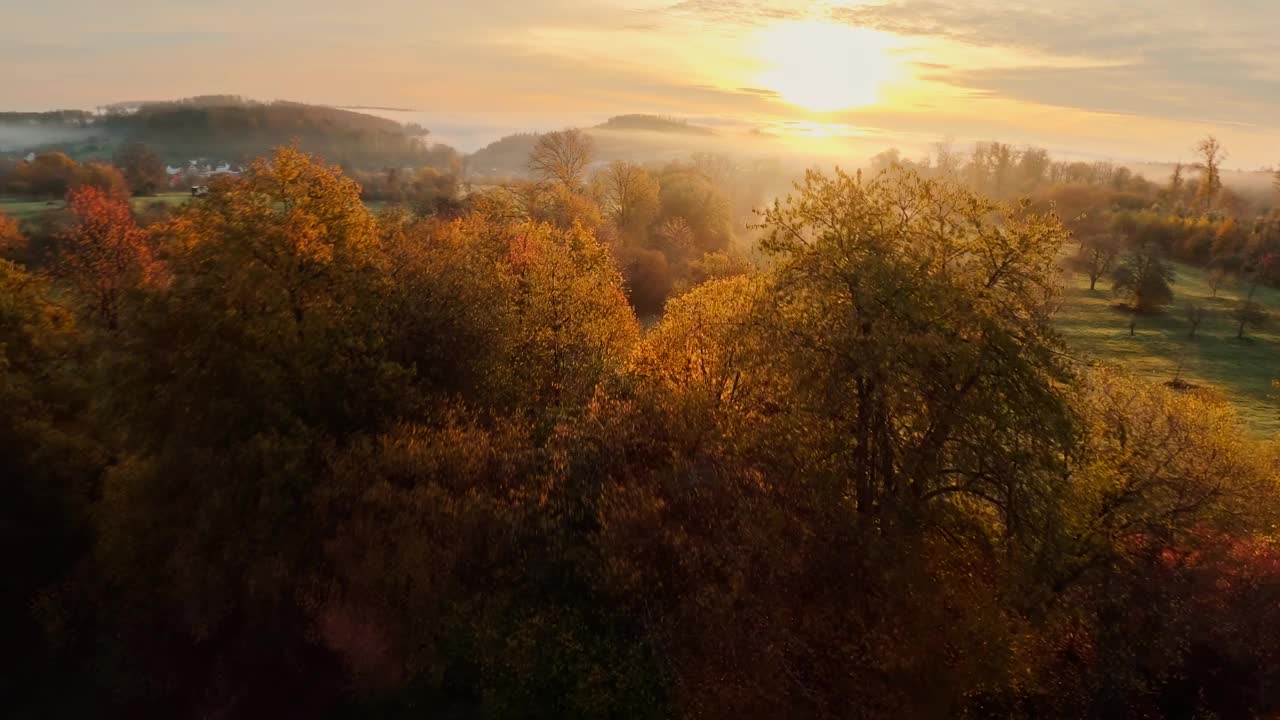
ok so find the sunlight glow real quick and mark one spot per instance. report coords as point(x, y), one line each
point(824, 67)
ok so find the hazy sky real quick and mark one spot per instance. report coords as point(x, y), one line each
point(1123, 78)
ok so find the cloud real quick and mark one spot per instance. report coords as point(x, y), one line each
point(743, 13)
point(1178, 59)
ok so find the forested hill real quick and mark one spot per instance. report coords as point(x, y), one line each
point(233, 129)
point(624, 137)
point(654, 123)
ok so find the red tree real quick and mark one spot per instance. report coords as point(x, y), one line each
point(104, 253)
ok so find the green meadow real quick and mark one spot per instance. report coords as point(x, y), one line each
point(25, 209)
point(1161, 347)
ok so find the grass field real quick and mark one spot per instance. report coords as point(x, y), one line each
point(23, 209)
point(1242, 370)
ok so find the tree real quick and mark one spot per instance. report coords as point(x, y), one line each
point(1195, 313)
point(49, 465)
point(104, 254)
point(11, 237)
point(142, 168)
point(628, 195)
point(1249, 313)
point(563, 157)
point(867, 296)
point(1098, 256)
point(48, 174)
point(1211, 154)
point(1144, 280)
point(103, 177)
point(1176, 182)
point(1216, 278)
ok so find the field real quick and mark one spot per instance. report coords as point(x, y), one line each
point(1161, 349)
point(23, 209)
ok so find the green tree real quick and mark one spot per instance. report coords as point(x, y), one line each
point(1196, 314)
point(1097, 255)
point(1144, 279)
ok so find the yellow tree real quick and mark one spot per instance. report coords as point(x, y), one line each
point(916, 317)
point(628, 194)
point(1211, 154)
point(11, 237)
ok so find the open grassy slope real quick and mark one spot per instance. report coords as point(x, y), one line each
point(1242, 370)
point(22, 209)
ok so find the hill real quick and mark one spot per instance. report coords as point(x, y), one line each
point(640, 138)
point(653, 123)
point(228, 128)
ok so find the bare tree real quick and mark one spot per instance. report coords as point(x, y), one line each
point(563, 157)
point(1211, 154)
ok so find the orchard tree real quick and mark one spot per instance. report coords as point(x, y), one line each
point(1216, 278)
point(1144, 279)
point(1098, 256)
point(1249, 313)
point(1196, 314)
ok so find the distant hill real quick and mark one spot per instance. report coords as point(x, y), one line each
point(641, 138)
point(234, 129)
point(653, 123)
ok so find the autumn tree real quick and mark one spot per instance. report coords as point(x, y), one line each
point(864, 266)
point(104, 254)
point(1143, 279)
point(11, 237)
point(628, 195)
point(268, 341)
point(563, 157)
point(103, 177)
point(693, 198)
point(49, 463)
point(1211, 155)
point(142, 168)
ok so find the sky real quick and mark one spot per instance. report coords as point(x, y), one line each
point(1121, 79)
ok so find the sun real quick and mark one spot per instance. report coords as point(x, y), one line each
point(825, 67)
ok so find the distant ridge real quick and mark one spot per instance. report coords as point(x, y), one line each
point(379, 108)
point(654, 123)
